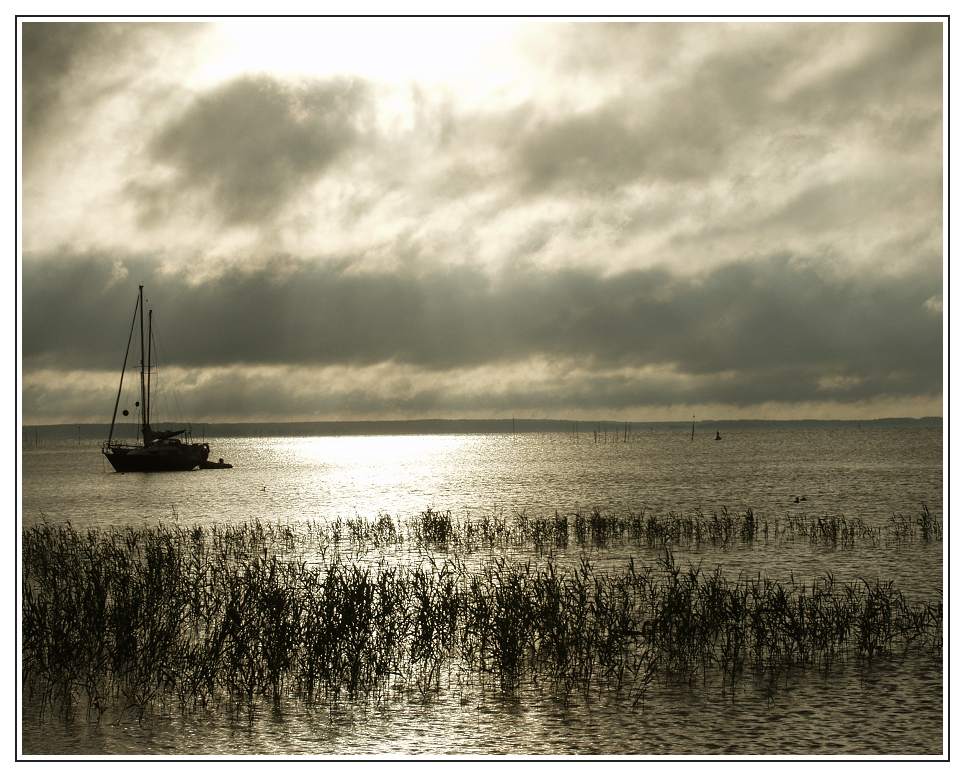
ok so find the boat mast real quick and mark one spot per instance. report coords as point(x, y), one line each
point(140, 303)
point(120, 386)
point(150, 339)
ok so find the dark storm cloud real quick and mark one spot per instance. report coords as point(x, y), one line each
point(255, 142)
point(733, 103)
point(767, 330)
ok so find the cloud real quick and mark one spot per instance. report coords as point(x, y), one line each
point(70, 68)
point(252, 144)
point(738, 95)
point(618, 146)
point(634, 216)
point(934, 304)
point(54, 57)
point(533, 387)
point(779, 329)
point(48, 55)
point(887, 76)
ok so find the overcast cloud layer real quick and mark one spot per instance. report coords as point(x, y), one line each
point(479, 219)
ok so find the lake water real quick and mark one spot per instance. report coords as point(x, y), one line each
point(892, 707)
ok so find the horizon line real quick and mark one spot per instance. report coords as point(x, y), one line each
point(506, 419)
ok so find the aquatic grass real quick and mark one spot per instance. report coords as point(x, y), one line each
point(131, 618)
point(924, 527)
point(440, 533)
point(834, 531)
point(721, 528)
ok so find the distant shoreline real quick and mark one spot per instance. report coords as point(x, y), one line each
point(457, 426)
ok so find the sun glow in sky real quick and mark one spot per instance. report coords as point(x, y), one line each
point(410, 218)
point(481, 57)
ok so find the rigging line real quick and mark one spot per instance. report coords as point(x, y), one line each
point(152, 348)
point(110, 434)
point(167, 395)
point(179, 410)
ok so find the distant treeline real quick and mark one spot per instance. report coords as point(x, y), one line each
point(33, 433)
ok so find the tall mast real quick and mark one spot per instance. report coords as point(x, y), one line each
point(140, 304)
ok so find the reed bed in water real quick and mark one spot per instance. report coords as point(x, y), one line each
point(720, 529)
point(594, 529)
point(193, 616)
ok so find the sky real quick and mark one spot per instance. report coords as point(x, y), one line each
point(418, 218)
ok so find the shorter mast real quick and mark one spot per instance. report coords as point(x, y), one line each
point(140, 302)
point(150, 339)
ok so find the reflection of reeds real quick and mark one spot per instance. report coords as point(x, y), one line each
point(137, 616)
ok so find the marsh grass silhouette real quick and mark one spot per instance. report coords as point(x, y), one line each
point(238, 614)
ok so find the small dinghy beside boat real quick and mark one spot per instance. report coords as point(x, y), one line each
point(219, 464)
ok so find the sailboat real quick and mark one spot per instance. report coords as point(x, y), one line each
point(156, 450)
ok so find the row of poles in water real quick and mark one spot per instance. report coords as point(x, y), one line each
point(615, 434)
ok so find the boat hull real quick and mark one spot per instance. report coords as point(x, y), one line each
point(157, 458)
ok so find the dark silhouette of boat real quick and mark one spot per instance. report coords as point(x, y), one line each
point(219, 464)
point(718, 435)
point(156, 450)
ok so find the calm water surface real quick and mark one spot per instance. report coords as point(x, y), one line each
point(868, 474)
point(861, 473)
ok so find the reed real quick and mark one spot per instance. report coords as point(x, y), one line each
point(721, 529)
point(444, 532)
point(925, 527)
point(131, 618)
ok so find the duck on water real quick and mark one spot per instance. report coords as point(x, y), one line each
point(156, 450)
